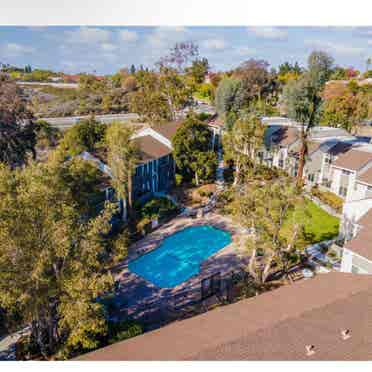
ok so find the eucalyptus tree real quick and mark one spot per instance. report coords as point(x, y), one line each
point(53, 264)
point(242, 143)
point(303, 99)
point(122, 156)
point(192, 151)
point(265, 207)
point(17, 129)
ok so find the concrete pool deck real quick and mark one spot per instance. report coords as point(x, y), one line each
point(140, 297)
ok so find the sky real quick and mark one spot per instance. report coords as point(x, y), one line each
point(104, 50)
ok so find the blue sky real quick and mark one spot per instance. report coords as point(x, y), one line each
point(106, 49)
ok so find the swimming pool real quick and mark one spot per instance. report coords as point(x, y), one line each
point(179, 256)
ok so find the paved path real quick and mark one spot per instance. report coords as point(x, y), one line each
point(142, 299)
point(7, 345)
point(220, 168)
point(68, 121)
point(50, 84)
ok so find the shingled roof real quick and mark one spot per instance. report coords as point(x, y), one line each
point(150, 148)
point(366, 177)
point(353, 159)
point(361, 243)
point(285, 136)
point(169, 129)
point(276, 325)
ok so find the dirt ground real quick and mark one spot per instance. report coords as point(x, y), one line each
point(193, 197)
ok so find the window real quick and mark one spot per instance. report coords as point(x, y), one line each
point(369, 188)
point(311, 177)
point(327, 159)
point(326, 182)
point(281, 163)
point(345, 172)
point(342, 191)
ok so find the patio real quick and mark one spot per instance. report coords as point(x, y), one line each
point(138, 298)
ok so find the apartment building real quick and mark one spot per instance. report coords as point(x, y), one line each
point(348, 168)
point(356, 228)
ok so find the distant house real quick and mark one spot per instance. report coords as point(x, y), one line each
point(71, 78)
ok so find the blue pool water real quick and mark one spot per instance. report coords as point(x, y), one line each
point(179, 256)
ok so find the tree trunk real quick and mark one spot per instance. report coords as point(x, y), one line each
point(196, 179)
point(237, 173)
point(124, 211)
point(37, 334)
point(301, 162)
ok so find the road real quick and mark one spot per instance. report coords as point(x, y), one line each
point(54, 85)
point(68, 121)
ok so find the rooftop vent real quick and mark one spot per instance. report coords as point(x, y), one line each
point(346, 334)
point(310, 350)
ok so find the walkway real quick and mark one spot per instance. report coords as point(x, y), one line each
point(220, 168)
point(7, 345)
point(140, 299)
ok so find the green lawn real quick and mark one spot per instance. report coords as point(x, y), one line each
point(319, 225)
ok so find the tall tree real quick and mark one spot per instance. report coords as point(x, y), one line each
point(180, 55)
point(159, 95)
point(347, 110)
point(198, 70)
point(226, 93)
point(83, 136)
point(303, 99)
point(53, 265)
point(242, 142)
point(192, 151)
point(122, 155)
point(174, 89)
point(265, 208)
point(17, 130)
point(148, 100)
point(257, 83)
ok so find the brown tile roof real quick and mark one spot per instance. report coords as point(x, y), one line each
point(285, 136)
point(366, 176)
point(353, 159)
point(168, 130)
point(366, 219)
point(150, 148)
point(276, 325)
point(362, 243)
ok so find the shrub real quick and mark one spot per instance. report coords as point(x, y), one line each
point(206, 190)
point(179, 179)
point(142, 225)
point(328, 198)
point(203, 116)
point(123, 330)
point(157, 208)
